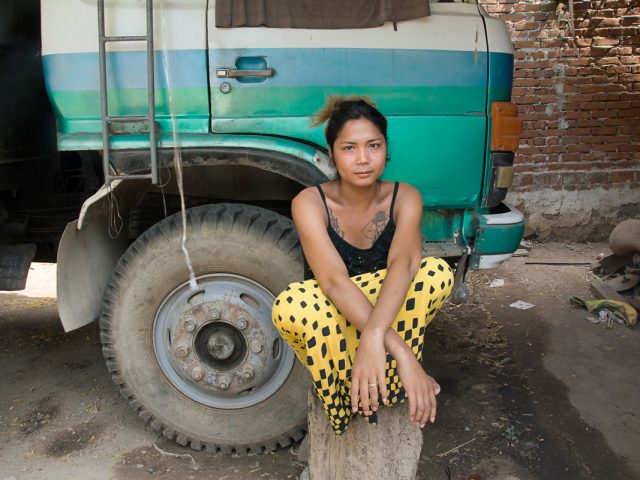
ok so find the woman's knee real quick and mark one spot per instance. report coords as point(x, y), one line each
point(436, 273)
point(280, 311)
point(288, 310)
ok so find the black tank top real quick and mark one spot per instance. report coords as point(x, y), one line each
point(359, 260)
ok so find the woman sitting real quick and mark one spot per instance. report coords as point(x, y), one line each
point(358, 321)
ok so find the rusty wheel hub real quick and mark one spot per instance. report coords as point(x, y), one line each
point(218, 345)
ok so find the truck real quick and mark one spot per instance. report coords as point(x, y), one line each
point(182, 132)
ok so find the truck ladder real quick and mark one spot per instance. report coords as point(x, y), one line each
point(107, 120)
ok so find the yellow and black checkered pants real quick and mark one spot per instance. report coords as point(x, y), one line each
point(325, 341)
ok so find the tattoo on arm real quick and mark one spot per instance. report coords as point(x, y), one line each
point(333, 221)
point(374, 228)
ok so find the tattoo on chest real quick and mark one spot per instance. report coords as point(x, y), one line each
point(374, 228)
point(333, 221)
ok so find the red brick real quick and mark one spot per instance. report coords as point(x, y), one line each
point(619, 105)
point(578, 148)
point(573, 156)
point(532, 64)
point(599, 177)
point(606, 97)
point(604, 131)
point(545, 43)
point(605, 42)
point(631, 60)
point(631, 112)
point(608, 113)
point(585, 98)
point(632, 40)
point(590, 123)
point(577, 131)
point(530, 7)
point(604, 148)
point(584, 42)
point(520, 180)
point(556, 149)
point(568, 106)
point(593, 106)
point(614, 122)
point(621, 51)
point(525, 44)
point(622, 177)
point(528, 100)
point(577, 115)
point(607, 22)
point(528, 82)
point(629, 148)
point(629, 20)
point(620, 139)
point(630, 77)
point(599, 139)
point(546, 179)
point(619, 69)
point(608, 61)
point(612, 32)
point(588, 71)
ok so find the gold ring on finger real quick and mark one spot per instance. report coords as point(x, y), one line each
point(373, 385)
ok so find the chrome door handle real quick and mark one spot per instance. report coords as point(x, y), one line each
point(234, 73)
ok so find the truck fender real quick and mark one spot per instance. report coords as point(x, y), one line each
point(88, 252)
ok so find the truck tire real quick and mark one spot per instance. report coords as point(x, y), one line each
point(206, 367)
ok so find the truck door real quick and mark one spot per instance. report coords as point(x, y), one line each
point(429, 77)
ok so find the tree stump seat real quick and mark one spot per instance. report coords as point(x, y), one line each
point(388, 450)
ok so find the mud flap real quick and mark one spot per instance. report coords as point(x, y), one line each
point(15, 261)
point(86, 259)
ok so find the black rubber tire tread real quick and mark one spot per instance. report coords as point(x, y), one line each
point(220, 238)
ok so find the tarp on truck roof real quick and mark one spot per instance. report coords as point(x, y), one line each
point(321, 14)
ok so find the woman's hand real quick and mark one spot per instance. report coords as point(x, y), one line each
point(368, 373)
point(421, 390)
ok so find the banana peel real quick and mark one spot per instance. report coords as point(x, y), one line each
point(624, 309)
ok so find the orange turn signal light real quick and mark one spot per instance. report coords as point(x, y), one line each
point(506, 127)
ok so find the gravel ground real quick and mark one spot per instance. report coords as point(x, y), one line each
point(527, 394)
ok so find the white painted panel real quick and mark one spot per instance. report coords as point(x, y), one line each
point(498, 35)
point(71, 26)
point(451, 26)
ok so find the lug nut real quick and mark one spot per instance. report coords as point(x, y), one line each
point(182, 350)
point(223, 384)
point(197, 374)
point(242, 323)
point(214, 313)
point(255, 345)
point(189, 325)
point(247, 373)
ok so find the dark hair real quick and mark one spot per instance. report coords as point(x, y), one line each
point(339, 110)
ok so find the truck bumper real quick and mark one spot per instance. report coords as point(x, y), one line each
point(496, 236)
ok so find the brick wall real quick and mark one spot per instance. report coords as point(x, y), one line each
point(577, 87)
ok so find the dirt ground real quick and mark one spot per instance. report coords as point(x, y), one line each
point(537, 394)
